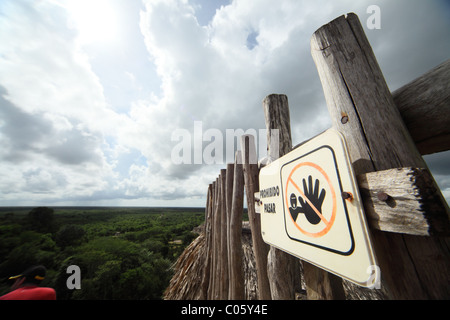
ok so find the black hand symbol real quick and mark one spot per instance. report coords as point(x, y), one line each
point(294, 209)
point(314, 198)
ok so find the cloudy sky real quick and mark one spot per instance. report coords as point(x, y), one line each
point(95, 93)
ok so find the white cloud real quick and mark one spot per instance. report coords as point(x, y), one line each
point(96, 21)
point(53, 107)
point(210, 73)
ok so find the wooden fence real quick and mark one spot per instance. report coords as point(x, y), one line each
point(387, 134)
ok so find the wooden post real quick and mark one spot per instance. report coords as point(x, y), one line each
point(237, 288)
point(362, 109)
point(207, 231)
point(210, 295)
point(229, 201)
point(217, 246)
point(260, 248)
point(283, 268)
point(424, 105)
point(223, 238)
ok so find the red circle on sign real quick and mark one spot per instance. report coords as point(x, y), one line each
point(328, 223)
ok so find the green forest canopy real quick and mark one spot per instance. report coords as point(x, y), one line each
point(123, 253)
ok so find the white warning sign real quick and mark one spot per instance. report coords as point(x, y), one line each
point(311, 209)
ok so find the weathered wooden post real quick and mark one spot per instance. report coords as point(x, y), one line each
point(211, 242)
point(229, 200)
point(363, 110)
point(424, 105)
point(237, 289)
point(207, 231)
point(260, 248)
point(223, 238)
point(283, 268)
point(216, 245)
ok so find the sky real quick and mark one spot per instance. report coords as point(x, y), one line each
point(96, 96)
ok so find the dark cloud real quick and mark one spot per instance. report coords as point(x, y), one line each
point(25, 136)
point(76, 147)
point(439, 163)
point(411, 39)
point(21, 132)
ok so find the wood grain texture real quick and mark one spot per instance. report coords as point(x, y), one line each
point(211, 289)
point(277, 117)
point(223, 238)
point(236, 254)
point(251, 182)
point(404, 200)
point(424, 105)
point(229, 202)
point(282, 268)
point(207, 231)
point(355, 87)
point(216, 244)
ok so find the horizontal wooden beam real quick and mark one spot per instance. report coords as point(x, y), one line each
point(404, 200)
point(424, 105)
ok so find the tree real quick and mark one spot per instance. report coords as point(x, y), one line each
point(41, 219)
point(69, 235)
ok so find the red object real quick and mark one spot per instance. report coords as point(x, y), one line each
point(30, 293)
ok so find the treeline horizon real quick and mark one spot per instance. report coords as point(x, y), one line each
point(20, 207)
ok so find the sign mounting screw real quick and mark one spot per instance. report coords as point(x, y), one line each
point(347, 196)
point(344, 118)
